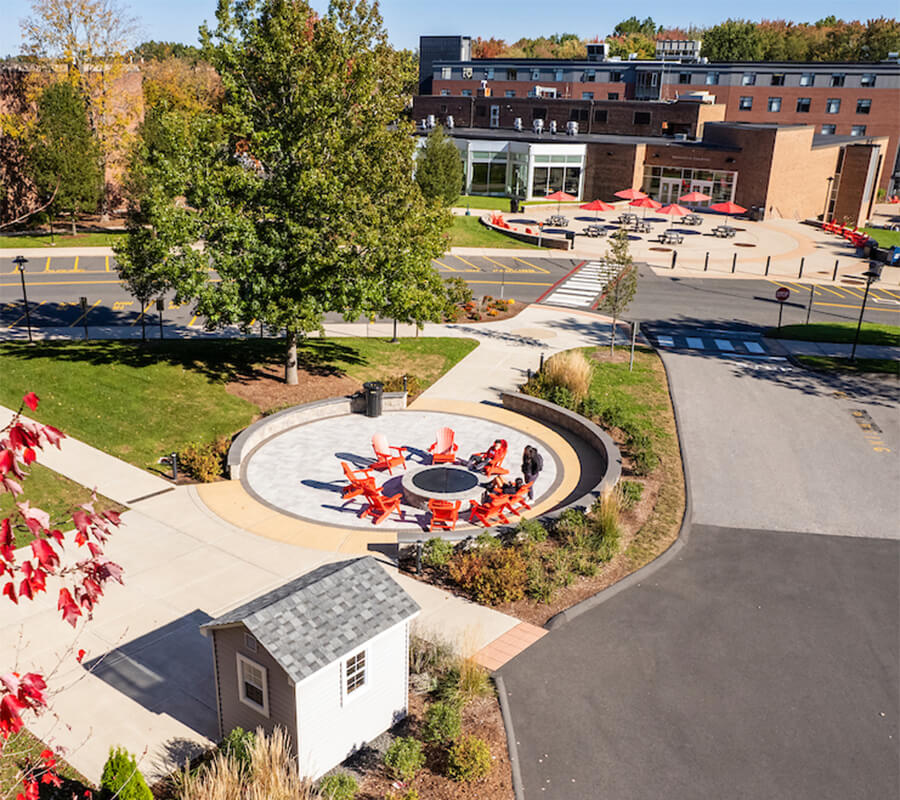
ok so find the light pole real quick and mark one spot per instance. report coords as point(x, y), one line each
point(873, 273)
point(20, 262)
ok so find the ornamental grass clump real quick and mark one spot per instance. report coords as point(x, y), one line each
point(571, 371)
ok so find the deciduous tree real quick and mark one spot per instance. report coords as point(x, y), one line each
point(733, 40)
point(621, 289)
point(439, 169)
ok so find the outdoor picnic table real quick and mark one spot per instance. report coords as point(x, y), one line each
point(557, 221)
point(670, 237)
point(627, 217)
point(640, 226)
point(692, 219)
point(595, 230)
point(724, 231)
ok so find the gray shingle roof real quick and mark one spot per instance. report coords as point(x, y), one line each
point(323, 615)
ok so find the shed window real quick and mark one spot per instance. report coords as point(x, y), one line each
point(355, 673)
point(253, 688)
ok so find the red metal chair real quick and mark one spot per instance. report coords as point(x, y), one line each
point(384, 458)
point(444, 514)
point(360, 481)
point(444, 448)
point(380, 506)
point(519, 500)
point(485, 512)
point(493, 466)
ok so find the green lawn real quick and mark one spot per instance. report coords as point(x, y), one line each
point(43, 240)
point(883, 237)
point(839, 332)
point(139, 403)
point(883, 365)
point(469, 232)
point(24, 746)
point(491, 203)
point(55, 494)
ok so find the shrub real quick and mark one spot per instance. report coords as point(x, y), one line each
point(458, 291)
point(571, 370)
point(394, 383)
point(442, 722)
point(473, 679)
point(121, 778)
point(404, 758)
point(486, 541)
point(560, 395)
point(465, 568)
point(339, 786)
point(437, 552)
point(571, 522)
point(429, 655)
point(632, 491)
point(643, 457)
point(531, 530)
point(491, 575)
point(468, 759)
point(204, 462)
point(237, 746)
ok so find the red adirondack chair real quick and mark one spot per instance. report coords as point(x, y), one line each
point(485, 512)
point(493, 467)
point(444, 448)
point(360, 481)
point(519, 500)
point(385, 459)
point(380, 506)
point(444, 514)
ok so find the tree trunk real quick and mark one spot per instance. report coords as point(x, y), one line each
point(395, 331)
point(290, 362)
point(143, 321)
point(612, 337)
point(50, 220)
point(74, 229)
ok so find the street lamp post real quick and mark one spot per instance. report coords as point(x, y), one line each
point(20, 262)
point(873, 273)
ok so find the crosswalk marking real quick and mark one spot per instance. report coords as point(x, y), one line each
point(583, 286)
point(724, 344)
point(711, 342)
point(695, 342)
point(665, 341)
point(754, 347)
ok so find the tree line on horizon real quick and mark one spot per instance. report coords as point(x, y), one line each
point(827, 39)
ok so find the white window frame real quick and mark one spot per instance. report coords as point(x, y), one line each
point(833, 103)
point(446, 73)
point(748, 79)
point(259, 709)
point(776, 102)
point(347, 695)
point(808, 79)
point(867, 79)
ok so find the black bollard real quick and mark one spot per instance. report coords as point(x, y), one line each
point(800, 275)
point(419, 557)
point(734, 264)
point(706, 262)
point(768, 261)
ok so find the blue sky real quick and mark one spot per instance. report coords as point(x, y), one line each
point(177, 20)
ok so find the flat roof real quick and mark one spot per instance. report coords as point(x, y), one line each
point(647, 62)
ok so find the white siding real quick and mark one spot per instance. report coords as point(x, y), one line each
point(330, 727)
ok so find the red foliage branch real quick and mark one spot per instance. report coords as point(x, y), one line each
point(81, 583)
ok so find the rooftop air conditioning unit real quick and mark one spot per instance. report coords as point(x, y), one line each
point(893, 57)
point(429, 121)
point(552, 126)
point(632, 56)
point(423, 124)
point(450, 122)
point(517, 124)
point(571, 127)
point(538, 126)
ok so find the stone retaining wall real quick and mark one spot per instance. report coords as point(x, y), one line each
point(267, 427)
point(545, 240)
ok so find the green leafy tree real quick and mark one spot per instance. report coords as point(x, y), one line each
point(439, 169)
point(733, 40)
point(121, 778)
point(64, 152)
point(300, 188)
point(882, 36)
point(646, 27)
point(621, 289)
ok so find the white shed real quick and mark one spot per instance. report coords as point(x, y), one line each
point(324, 656)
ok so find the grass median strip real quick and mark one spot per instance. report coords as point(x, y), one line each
point(469, 232)
point(94, 239)
point(860, 365)
point(839, 333)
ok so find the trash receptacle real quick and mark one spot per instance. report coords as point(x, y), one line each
point(570, 235)
point(374, 391)
point(513, 205)
point(894, 257)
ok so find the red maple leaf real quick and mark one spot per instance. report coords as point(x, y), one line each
point(10, 591)
point(28, 455)
point(31, 689)
point(31, 400)
point(44, 553)
point(7, 460)
point(10, 715)
point(67, 605)
point(80, 656)
point(53, 435)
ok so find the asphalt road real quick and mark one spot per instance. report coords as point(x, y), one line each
point(762, 659)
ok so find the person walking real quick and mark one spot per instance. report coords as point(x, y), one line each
point(532, 464)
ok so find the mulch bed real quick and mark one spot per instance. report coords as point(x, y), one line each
point(268, 391)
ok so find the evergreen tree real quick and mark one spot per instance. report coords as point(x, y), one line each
point(121, 778)
point(621, 289)
point(439, 170)
point(64, 153)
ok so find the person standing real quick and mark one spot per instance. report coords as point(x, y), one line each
point(532, 464)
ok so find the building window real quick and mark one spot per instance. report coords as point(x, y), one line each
point(600, 115)
point(828, 130)
point(712, 78)
point(777, 79)
point(480, 111)
point(250, 642)
point(538, 113)
point(863, 106)
point(684, 77)
point(745, 104)
point(578, 115)
point(867, 80)
point(445, 92)
point(774, 104)
point(446, 73)
point(466, 92)
point(833, 105)
point(587, 95)
point(535, 74)
point(443, 108)
point(641, 117)
point(510, 93)
point(749, 79)
point(803, 104)
point(557, 75)
point(807, 79)
point(615, 77)
point(253, 688)
point(489, 73)
point(355, 673)
point(612, 96)
point(858, 130)
point(837, 79)
point(466, 73)
point(590, 75)
point(512, 75)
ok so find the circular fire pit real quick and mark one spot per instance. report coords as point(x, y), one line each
point(439, 482)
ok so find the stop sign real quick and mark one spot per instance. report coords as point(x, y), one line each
point(782, 293)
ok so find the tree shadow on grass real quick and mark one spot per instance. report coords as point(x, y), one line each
point(219, 360)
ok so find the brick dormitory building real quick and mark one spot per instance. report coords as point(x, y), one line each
point(791, 140)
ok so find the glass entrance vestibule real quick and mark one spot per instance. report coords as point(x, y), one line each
point(520, 169)
point(667, 184)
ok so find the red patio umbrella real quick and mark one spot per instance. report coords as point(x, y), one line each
point(596, 206)
point(645, 203)
point(728, 208)
point(675, 210)
point(694, 197)
point(559, 197)
point(630, 194)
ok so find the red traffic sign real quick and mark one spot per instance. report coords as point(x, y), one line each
point(782, 293)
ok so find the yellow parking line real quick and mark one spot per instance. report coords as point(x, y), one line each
point(853, 292)
point(782, 285)
point(503, 266)
point(86, 312)
point(839, 305)
point(474, 267)
point(75, 268)
point(191, 323)
point(445, 266)
point(509, 283)
point(798, 286)
point(47, 265)
point(892, 294)
point(58, 283)
point(827, 289)
point(12, 324)
point(539, 269)
point(107, 263)
point(874, 293)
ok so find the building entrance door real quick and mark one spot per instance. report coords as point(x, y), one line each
point(495, 116)
point(669, 190)
point(704, 187)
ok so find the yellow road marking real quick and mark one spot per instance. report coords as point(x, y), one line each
point(474, 268)
point(191, 323)
point(445, 266)
point(853, 292)
point(139, 316)
point(839, 305)
point(75, 268)
point(892, 294)
point(798, 286)
point(509, 283)
point(86, 312)
point(836, 294)
point(12, 324)
point(107, 263)
point(503, 267)
point(120, 304)
point(873, 293)
point(539, 269)
point(782, 285)
point(59, 283)
point(47, 265)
